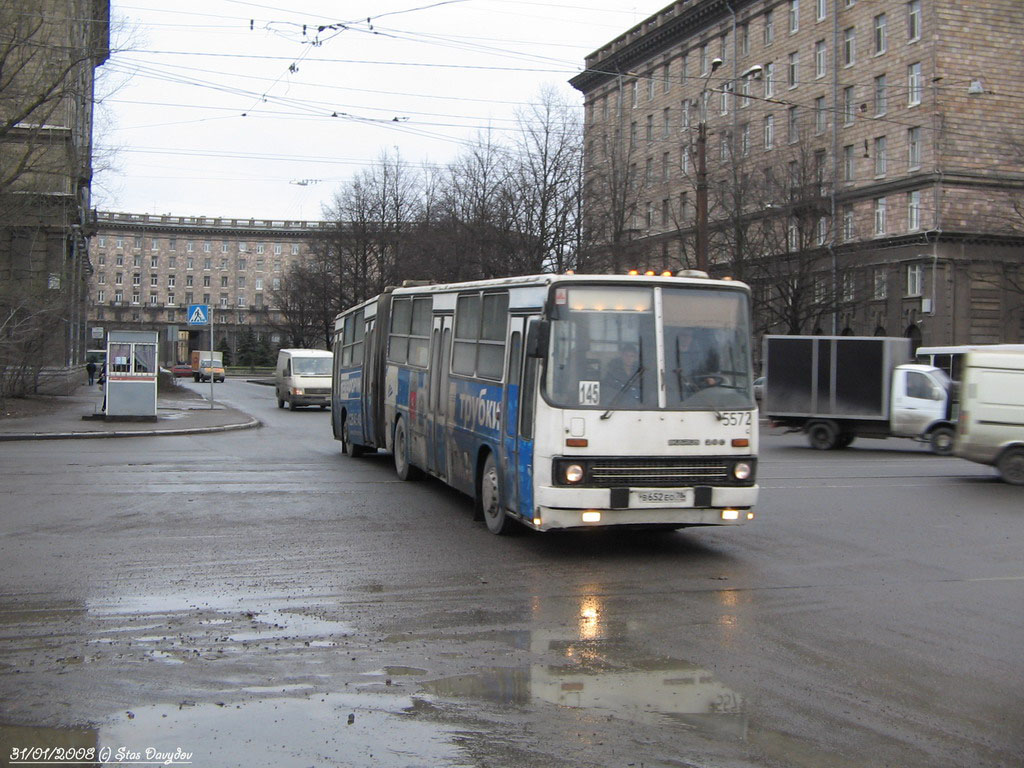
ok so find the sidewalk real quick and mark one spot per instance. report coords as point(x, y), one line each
point(179, 412)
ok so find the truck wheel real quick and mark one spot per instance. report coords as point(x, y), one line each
point(1011, 466)
point(403, 468)
point(941, 440)
point(822, 435)
point(845, 439)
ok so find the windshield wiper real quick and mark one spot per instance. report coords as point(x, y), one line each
point(607, 414)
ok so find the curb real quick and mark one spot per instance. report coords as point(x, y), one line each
point(251, 424)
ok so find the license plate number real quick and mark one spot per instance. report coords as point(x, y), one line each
point(675, 498)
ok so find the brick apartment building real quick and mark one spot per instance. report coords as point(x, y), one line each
point(147, 269)
point(909, 112)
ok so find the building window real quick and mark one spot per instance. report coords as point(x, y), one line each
point(190, 263)
point(136, 279)
point(224, 281)
point(649, 217)
point(188, 281)
point(848, 226)
point(189, 246)
point(118, 278)
point(154, 280)
point(880, 158)
point(101, 241)
point(794, 16)
point(241, 281)
point(664, 212)
point(880, 209)
point(189, 297)
point(793, 234)
point(820, 115)
point(881, 100)
point(241, 264)
point(769, 131)
point(664, 166)
point(101, 296)
point(277, 249)
point(821, 10)
point(820, 59)
point(170, 298)
point(794, 69)
point(649, 170)
point(172, 244)
point(650, 85)
point(223, 301)
point(136, 260)
point(914, 210)
point(745, 139)
point(822, 233)
point(101, 278)
point(704, 61)
point(742, 39)
point(849, 109)
point(242, 247)
point(792, 125)
point(102, 259)
point(207, 246)
point(259, 263)
point(649, 132)
point(915, 279)
point(258, 284)
point(295, 249)
point(153, 300)
point(207, 263)
point(913, 21)
point(155, 245)
point(848, 287)
point(261, 247)
point(119, 296)
point(666, 75)
point(914, 84)
point(119, 243)
point(880, 285)
point(206, 281)
point(223, 263)
point(914, 148)
point(241, 300)
point(769, 27)
point(135, 297)
point(769, 80)
point(172, 262)
point(880, 34)
point(119, 259)
point(726, 97)
point(849, 46)
point(849, 163)
point(153, 262)
point(632, 135)
point(138, 242)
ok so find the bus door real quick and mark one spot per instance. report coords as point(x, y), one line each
point(511, 452)
point(368, 385)
point(437, 413)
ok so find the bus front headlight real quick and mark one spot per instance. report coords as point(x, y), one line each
point(573, 473)
point(741, 471)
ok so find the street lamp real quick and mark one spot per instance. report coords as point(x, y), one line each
point(753, 72)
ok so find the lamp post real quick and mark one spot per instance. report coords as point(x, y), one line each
point(702, 164)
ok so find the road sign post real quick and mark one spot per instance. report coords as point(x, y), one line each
point(202, 314)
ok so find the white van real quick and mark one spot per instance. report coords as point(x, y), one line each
point(991, 425)
point(303, 377)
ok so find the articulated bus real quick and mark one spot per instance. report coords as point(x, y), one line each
point(560, 401)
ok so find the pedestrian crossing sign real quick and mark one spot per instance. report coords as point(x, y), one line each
point(198, 314)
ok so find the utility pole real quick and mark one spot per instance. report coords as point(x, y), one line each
point(702, 191)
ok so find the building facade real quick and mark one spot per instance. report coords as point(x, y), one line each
point(859, 162)
point(49, 50)
point(147, 270)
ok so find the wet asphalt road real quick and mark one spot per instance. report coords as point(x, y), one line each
point(258, 599)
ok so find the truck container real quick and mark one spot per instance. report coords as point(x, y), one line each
point(837, 388)
point(990, 429)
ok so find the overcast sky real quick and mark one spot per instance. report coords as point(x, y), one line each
point(261, 110)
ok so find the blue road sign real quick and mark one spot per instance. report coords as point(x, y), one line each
point(198, 314)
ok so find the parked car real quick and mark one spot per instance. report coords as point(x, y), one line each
point(759, 388)
point(181, 369)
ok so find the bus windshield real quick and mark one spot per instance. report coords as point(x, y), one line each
point(607, 349)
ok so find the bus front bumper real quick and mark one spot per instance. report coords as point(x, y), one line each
point(592, 507)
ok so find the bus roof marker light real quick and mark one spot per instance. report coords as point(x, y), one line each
point(667, 273)
point(633, 272)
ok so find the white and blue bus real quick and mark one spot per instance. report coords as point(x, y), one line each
point(560, 401)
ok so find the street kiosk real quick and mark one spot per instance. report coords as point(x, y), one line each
point(131, 376)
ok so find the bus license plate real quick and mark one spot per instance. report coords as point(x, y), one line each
point(668, 498)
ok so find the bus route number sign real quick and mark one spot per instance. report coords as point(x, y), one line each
point(590, 392)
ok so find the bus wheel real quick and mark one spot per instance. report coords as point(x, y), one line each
point(403, 468)
point(489, 500)
point(352, 449)
point(941, 439)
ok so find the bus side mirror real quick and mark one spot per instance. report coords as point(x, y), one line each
point(538, 334)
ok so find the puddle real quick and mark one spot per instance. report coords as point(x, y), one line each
point(291, 732)
point(275, 624)
point(322, 729)
point(607, 679)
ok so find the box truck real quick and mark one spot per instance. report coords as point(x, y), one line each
point(206, 364)
point(837, 388)
point(990, 429)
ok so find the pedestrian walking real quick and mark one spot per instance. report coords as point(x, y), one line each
point(90, 368)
